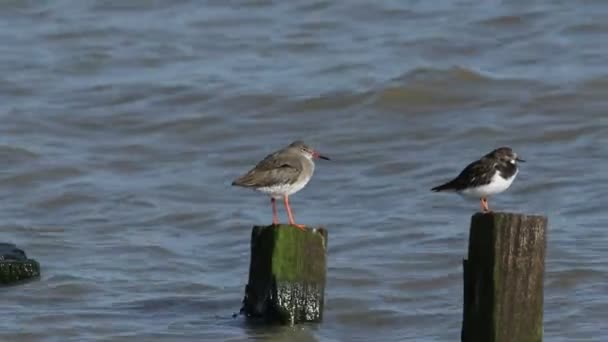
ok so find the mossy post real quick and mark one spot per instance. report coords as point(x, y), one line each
point(286, 274)
point(503, 278)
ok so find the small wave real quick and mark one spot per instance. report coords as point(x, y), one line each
point(585, 29)
point(510, 20)
point(42, 175)
point(66, 199)
point(432, 74)
point(598, 83)
point(333, 101)
point(12, 154)
point(430, 87)
point(452, 87)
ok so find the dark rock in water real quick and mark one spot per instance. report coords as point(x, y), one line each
point(8, 251)
point(15, 267)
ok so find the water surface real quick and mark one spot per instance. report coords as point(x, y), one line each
point(123, 125)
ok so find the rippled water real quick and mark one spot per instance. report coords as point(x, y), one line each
point(123, 124)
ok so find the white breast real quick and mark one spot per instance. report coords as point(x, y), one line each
point(496, 186)
point(280, 190)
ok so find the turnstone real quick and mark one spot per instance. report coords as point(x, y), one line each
point(490, 175)
point(281, 174)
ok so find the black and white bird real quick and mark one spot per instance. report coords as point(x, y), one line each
point(490, 175)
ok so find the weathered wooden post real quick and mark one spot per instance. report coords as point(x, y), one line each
point(15, 267)
point(503, 278)
point(286, 274)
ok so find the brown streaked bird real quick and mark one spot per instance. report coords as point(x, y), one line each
point(490, 175)
point(281, 174)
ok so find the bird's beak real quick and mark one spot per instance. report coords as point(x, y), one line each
point(520, 160)
point(318, 156)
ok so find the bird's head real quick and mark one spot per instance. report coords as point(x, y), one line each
point(305, 150)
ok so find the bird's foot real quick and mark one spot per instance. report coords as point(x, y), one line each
point(299, 226)
point(484, 205)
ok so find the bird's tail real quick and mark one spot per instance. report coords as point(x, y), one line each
point(237, 182)
point(449, 186)
point(244, 181)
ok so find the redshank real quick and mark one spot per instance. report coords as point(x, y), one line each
point(490, 175)
point(282, 174)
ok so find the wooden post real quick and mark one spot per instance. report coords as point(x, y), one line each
point(503, 278)
point(286, 274)
point(15, 267)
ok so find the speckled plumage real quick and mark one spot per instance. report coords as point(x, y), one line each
point(281, 174)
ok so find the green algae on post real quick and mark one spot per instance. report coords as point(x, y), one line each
point(287, 274)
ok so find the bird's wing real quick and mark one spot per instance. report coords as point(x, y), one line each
point(276, 168)
point(477, 173)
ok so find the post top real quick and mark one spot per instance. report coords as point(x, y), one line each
point(508, 215)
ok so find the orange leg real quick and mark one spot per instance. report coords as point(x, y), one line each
point(275, 213)
point(290, 215)
point(484, 205)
